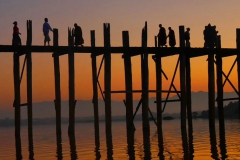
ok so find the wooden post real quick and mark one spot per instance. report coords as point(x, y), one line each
point(211, 89)
point(238, 64)
point(95, 90)
point(158, 62)
point(29, 87)
point(220, 100)
point(145, 81)
point(145, 100)
point(220, 87)
point(16, 104)
point(128, 82)
point(107, 88)
point(57, 100)
point(189, 94)
point(183, 89)
point(72, 101)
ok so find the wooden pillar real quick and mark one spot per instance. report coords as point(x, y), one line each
point(107, 88)
point(72, 101)
point(145, 80)
point(95, 90)
point(238, 64)
point(16, 104)
point(128, 82)
point(220, 87)
point(183, 90)
point(145, 96)
point(57, 100)
point(211, 89)
point(29, 87)
point(220, 100)
point(158, 62)
point(189, 93)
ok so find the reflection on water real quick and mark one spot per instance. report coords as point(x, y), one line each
point(59, 154)
point(191, 146)
point(72, 144)
point(202, 143)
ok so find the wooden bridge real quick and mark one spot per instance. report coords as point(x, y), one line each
point(215, 57)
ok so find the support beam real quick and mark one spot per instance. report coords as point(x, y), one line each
point(107, 86)
point(145, 94)
point(128, 84)
point(145, 80)
point(57, 100)
point(211, 89)
point(29, 88)
point(189, 93)
point(71, 71)
point(238, 64)
point(183, 90)
point(158, 65)
point(16, 104)
point(95, 91)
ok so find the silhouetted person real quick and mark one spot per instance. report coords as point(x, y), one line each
point(16, 41)
point(162, 37)
point(171, 36)
point(210, 36)
point(214, 34)
point(206, 33)
point(46, 29)
point(78, 35)
point(187, 37)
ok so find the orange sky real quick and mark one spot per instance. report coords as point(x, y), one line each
point(122, 15)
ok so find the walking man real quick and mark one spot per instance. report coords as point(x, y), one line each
point(46, 29)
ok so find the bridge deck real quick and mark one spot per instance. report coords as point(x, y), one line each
point(164, 51)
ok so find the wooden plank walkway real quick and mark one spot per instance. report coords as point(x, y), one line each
point(165, 51)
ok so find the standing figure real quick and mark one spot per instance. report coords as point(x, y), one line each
point(206, 33)
point(162, 37)
point(46, 29)
point(187, 38)
point(16, 41)
point(171, 36)
point(78, 35)
point(214, 34)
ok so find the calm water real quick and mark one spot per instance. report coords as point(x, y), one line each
point(45, 146)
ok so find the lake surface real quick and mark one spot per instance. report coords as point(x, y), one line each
point(83, 147)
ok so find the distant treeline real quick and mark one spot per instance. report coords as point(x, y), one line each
point(230, 111)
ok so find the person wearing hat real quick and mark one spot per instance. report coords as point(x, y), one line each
point(16, 41)
point(187, 37)
point(46, 29)
point(78, 35)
